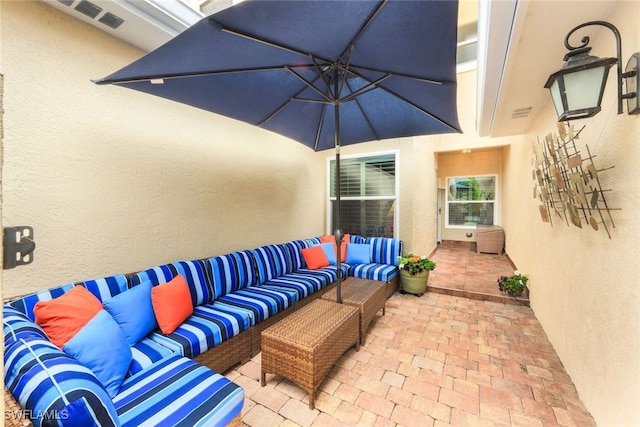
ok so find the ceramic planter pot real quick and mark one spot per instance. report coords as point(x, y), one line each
point(416, 284)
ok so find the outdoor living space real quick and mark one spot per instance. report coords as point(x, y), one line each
point(434, 360)
point(113, 181)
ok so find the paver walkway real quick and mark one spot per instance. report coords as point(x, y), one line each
point(460, 271)
point(435, 360)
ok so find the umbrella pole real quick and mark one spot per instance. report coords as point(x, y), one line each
point(338, 232)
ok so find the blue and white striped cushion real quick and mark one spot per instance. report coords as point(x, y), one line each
point(303, 284)
point(231, 272)
point(177, 391)
point(208, 326)
point(262, 301)
point(16, 324)
point(381, 272)
point(313, 241)
point(25, 304)
point(107, 287)
point(193, 272)
point(354, 238)
point(384, 250)
point(46, 381)
point(145, 353)
point(327, 274)
point(294, 249)
point(272, 261)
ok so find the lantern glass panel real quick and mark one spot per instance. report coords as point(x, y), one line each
point(583, 88)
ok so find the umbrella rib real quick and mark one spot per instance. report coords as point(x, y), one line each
point(423, 110)
point(313, 101)
point(366, 24)
point(366, 118)
point(320, 73)
point(280, 108)
point(220, 27)
point(346, 72)
point(175, 76)
point(367, 88)
point(309, 84)
point(395, 74)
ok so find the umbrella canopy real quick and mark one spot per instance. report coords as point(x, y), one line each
point(323, 73)
point(283, 65)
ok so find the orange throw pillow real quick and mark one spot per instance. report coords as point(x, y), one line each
point(61, 318)
point(171, 303)
point(315, 257)
point(329, 238)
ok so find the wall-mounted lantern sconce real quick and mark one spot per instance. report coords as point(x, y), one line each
point(18, 246)
point(578, 86)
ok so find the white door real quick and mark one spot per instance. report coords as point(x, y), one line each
point(439, 198)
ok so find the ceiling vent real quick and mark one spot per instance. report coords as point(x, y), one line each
point(111, 20)
point(146, 24)
point(88, 8)
point(520, 113)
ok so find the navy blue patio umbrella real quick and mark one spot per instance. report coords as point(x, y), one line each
point(323, 73)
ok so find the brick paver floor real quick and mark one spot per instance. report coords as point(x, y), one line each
point(460, 271)
point(435, 360)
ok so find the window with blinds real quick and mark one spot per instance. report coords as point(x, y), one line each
point(368, 195)
point(471, 200)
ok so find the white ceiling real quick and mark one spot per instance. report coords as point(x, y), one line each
point(519, 44)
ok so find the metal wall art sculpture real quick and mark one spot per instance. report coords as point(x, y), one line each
point(567, 182)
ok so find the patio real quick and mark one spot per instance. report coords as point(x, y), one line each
point(434, 360)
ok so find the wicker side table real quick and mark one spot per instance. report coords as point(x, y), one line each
point(369, 296)
point(490, 239)
point(305, 345)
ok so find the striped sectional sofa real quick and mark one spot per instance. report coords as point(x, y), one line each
point(174, 379)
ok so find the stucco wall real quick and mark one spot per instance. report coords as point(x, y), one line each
point(113, 180)
point(584, 286)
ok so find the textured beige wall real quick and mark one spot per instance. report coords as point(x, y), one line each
point(114, 181)
point(585, 289)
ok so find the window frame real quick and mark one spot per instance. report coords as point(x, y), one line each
point(495, 201)
point(395, 197)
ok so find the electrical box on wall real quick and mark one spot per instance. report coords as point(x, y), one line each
point(18, 246)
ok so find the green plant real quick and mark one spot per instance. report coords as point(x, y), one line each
point(415, 264)
point(514, 284)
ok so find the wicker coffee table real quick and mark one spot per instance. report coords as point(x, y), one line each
point(369, 296)
point(305, 345)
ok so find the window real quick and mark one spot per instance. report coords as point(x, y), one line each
point(368, 188)
point(471, 200)
point(467, 48)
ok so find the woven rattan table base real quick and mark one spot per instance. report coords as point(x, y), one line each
point(305, 345)
point(369, 296)
point(14, 416)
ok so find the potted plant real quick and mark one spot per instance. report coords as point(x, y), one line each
point(414, 273)
point(515, 285)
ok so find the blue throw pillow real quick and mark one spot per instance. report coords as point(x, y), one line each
point(133, 311)
point(330, 251)
point(358, 254)
point(101, 346)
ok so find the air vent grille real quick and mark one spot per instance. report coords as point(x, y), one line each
point(66, 2)
point(519, 113)
point(111, 20)
point(88, 8)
